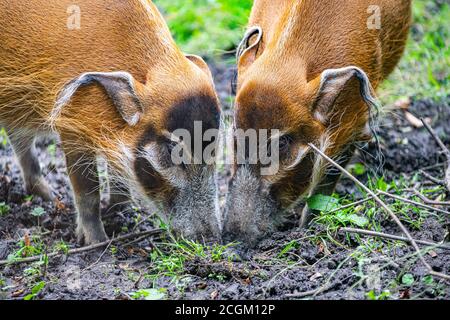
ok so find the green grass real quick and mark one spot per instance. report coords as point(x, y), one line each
point(208, 27)
point(169, 259)
point(424, 71)
point(4, 209)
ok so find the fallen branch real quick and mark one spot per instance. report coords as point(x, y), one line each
point(84, 249)
point(437, 181)
point(418, 204)
point(444, 150)
point(350, 205)
point(386, 208)
point(314, 292)
point(428, 201)
point(393, 237)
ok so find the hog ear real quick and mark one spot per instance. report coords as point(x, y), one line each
point(199, 62)
point(336, 83)
point(248, 48)
point(120, 87)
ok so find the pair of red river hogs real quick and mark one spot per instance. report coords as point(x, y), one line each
point(108, 78)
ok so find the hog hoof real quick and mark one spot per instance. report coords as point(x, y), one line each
point(41, 189)
point(87, 238)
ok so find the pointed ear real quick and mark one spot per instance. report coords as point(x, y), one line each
point(336, 83)
point(248, 48)
point(199, 62)
point(120, 87)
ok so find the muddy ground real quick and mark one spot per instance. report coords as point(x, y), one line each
point(291, 262)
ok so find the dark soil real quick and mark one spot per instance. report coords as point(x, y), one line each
point(351, 267)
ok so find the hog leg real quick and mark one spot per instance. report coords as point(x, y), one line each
point(24, 148)
point(86, 188)
point(326, 187)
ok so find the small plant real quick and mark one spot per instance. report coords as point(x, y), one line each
point(289, 247)
point(28, 247)
point(149, 294)
point(358, 169)
point(408, 279)
point(371, 295)
point(4, 209)
point(35, 290)
point(217, 276)
point(61, 246)
point(38, 212)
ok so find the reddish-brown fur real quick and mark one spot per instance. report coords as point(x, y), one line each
point(279, 80)
point(39, 55)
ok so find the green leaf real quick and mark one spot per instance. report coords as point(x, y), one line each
point(371, 295)
point(291, 245)
point(322, 203)
point(408, 279)
point(35, 290)
point(428, 280)
point(382, 185)
point(38, 287)
point(358, 169)
point(4, 208)
point(358, 220)
point(38, 212)
point(149, 294)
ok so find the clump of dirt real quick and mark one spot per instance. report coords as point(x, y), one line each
point(290, 264)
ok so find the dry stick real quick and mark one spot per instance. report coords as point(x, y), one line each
point(437, 181)
point(444, 150)
point(386, 208)
point(85, 249)
point(418, 204)
point(314, 292)
point(351, 205)
point(428, 201)
point(393, 237)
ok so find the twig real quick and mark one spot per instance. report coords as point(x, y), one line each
point(433, 179)
point(428, 201)
point(393, 237)
point(418, 204)
point(84, 249)
point(386, 208)
point(444, 150)
point(314, 292)
point(351, 205)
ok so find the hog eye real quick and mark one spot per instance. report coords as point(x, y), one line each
point(285, 142)
point(170, 146)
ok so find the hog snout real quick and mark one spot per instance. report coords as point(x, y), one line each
point(250, 212)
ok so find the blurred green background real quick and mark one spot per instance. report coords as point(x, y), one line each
point(206, 26)
point(214, 27)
